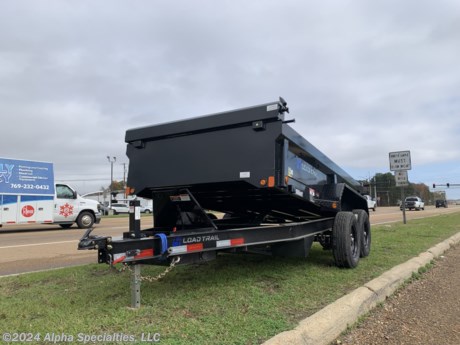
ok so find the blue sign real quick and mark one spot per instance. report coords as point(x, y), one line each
point(26, 177)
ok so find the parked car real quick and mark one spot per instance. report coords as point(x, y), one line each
point(104, 209)
point(371, 203)
point(441, 203)
point(146, 209)
point(414, 203)
point(120, 208)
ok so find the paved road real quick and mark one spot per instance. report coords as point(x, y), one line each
point(25, 248)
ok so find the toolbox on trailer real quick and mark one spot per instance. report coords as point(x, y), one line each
point(272, 190)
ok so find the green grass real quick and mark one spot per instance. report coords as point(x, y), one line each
point(236, 299)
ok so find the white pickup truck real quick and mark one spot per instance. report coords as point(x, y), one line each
point(371, 203)
point(414, 203)
point(28, 195)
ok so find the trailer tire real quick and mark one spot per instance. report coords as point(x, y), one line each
point(85, 220)
point(365, 230)
point(346, 240)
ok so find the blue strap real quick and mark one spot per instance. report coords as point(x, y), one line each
point(164, 242)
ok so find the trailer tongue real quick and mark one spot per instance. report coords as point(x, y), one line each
point(277, 193)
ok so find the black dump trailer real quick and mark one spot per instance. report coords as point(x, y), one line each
point(238, 181)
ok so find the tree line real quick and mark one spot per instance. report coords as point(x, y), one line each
point(390, 195)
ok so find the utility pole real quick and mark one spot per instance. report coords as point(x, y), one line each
point(111, 161)
point(124, 178)
point(375, 190)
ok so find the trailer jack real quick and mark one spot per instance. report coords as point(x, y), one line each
point(137, 278)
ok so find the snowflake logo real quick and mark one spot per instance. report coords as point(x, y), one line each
point(66, 210)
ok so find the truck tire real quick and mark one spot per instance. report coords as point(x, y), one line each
point(65, 226)
point(346, 240)
point(85, 220)
point(364, 227)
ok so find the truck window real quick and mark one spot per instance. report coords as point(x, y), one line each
point(64, 192)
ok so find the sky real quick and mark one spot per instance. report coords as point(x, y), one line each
point(361, 78)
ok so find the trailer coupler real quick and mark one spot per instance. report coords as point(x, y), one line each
point(92, 242)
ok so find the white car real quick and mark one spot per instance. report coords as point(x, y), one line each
point(119, 208)
point(414, 203)
point(371, 203)
point(146, 209)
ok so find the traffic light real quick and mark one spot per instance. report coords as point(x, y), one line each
point(434, 185)
point(448, 185)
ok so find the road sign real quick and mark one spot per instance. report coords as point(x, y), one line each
point(401, 178)
point(400, 161)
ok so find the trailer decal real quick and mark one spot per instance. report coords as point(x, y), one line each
point(144, 253)
point(128, 256)
point(197, 239)
point(230, 243)
point(186, 249)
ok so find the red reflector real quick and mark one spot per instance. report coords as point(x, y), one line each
point(194, 247)
point(237, 241)
point(119, 259)
point(144, 253)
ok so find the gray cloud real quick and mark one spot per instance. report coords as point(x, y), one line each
point(361, 78)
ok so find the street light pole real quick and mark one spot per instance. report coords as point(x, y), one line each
point(111, 161)
point(124, 178)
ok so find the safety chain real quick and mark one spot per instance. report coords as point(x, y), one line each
point(151, 279)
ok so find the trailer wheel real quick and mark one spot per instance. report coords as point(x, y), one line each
point(364, 227)
point(85, 220)
point(346, 240)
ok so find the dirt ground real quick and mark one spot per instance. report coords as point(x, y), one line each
point(425, 312)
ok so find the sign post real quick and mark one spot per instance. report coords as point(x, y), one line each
point(400, 162)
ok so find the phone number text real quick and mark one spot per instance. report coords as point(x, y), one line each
point(29, 186)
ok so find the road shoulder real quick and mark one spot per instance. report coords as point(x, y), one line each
point(327, 324)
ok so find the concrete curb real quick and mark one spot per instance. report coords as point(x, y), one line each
point(327, 324)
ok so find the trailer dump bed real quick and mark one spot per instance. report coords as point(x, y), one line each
point(245, 163)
